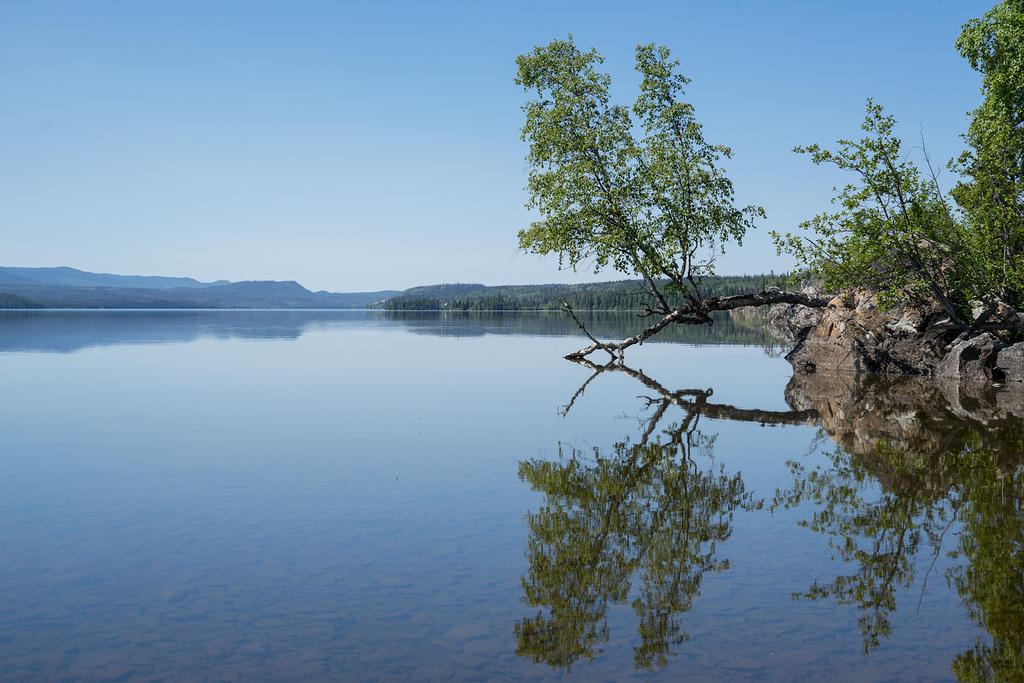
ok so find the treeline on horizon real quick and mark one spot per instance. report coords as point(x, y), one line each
point(622, 295)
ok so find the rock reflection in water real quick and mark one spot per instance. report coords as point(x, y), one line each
point(918, 470)
point(922, 467)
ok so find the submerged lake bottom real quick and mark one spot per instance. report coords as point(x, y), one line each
point(304, 495)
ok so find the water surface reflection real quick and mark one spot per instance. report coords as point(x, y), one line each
point(342, 494)
point(914, 471)
point(65, 331)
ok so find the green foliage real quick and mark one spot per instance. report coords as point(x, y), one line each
point(653, 204)
point(992, 194)
point(892, 230)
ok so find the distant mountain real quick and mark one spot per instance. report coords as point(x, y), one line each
point(70, 277)
point(71, 288)
point(274, 294)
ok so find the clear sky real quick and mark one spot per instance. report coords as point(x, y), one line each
point(371, 145)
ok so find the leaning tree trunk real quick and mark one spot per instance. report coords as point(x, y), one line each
point(695, 314)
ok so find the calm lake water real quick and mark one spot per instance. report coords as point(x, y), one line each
point(310, 495)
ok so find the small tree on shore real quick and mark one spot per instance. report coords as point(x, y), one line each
point(894, 232)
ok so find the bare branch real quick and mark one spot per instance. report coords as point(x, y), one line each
point(597, 344)
point(698, 314)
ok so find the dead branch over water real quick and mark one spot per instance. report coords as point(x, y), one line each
point(695, 313)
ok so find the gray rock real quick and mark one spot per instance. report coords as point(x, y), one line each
point(1010, 363)
point(970, 360)
point(854, 335)
point(790, 323)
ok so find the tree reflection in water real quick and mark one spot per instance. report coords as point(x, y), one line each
point(922, 471)
point(647, 510)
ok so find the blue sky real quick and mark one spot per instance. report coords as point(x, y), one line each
point(362, 146)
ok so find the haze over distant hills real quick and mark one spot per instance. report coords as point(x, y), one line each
point(63, 276)
point(70, 288)
point(65, 287)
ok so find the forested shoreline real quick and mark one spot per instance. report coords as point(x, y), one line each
point(622, 295)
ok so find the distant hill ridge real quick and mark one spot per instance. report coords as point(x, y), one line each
point(64, 287)
point(63, 276)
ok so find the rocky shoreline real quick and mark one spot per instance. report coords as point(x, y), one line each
point(853, 335)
